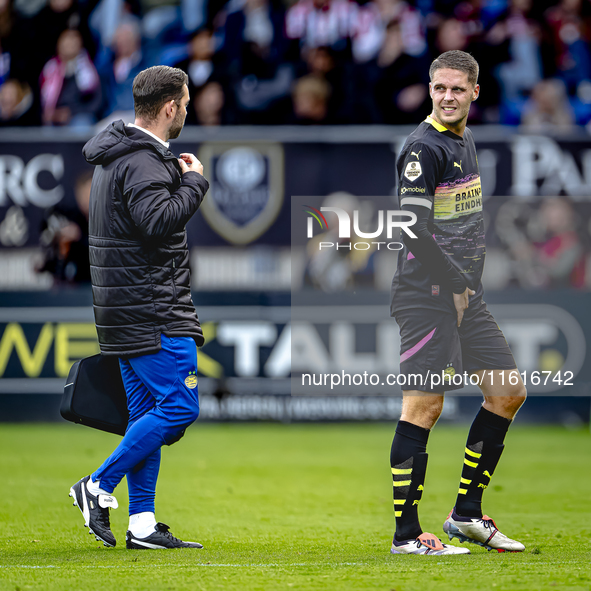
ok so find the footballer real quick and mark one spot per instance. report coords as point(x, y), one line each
point(445, 326)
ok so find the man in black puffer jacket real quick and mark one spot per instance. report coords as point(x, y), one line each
point(142, 196)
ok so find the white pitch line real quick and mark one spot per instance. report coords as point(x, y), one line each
point(135, 565)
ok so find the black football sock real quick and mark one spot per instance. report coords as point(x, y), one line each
point(408, 459)
point(483, 452)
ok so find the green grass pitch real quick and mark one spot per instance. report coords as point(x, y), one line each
point(292, 507)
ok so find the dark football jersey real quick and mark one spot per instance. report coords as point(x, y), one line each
point(438, 169)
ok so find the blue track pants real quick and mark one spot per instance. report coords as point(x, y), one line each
point(163, 401)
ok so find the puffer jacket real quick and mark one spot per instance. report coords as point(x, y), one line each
point(139, 259)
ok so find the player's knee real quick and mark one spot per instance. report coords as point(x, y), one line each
point(512, 402)
point(434, 406)
point(422, 410)
point(517, 396)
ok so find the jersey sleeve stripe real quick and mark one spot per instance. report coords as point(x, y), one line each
point(416, 201)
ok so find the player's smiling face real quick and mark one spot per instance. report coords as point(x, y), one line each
point(452, 96)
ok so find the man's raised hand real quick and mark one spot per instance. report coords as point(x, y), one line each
point(189, 163)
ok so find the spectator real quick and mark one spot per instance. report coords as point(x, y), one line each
point(49, 23)
point(64, 237)
point(570, 40)
point(368, 33)
point(311, 96)
point(548, 108)
point(70, 88)
point(524, 69)
point(561, 257)
point(396, 82)
point(106, 17)
point(255, 47)
point(470, 14)
point(165, 23)
point(547, 247)
point(327, 64)
point(17, 46)
point(208, 104)
point(199, 66)
point(257, 25)
point(17, 104)
point(168, 22)
point(318, 23)
point(338, 269)
point(451, 35)
point(372, 21)
point(489, 50)
point(122, 65)
point(465, 31)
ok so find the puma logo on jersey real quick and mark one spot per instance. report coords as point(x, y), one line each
point(459, 166)
point(486, 473)
point(416, 154)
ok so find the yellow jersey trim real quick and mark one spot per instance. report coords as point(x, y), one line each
point(436, 125)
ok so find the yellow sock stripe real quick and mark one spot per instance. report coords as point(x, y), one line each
point(397, 513)
point(471, 464)
point(401, 470)
point(465, 481)
point(462, 491)
point(473, 453)
point(399, 501)
point(402, 483)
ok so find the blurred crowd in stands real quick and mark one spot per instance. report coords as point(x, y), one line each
point(72, 62)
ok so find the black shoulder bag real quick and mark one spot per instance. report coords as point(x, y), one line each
point(94, 395)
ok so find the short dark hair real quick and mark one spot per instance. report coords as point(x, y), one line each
point(154, 87)
point(456, 60)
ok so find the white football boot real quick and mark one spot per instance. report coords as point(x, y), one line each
point(426, 544)
point(482, 531)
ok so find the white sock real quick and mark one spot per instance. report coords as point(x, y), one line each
point(94, 488)
point(141, 525)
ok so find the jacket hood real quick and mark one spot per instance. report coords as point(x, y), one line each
point(118, 140)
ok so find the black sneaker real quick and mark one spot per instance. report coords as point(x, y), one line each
point(159, 540)
point(95, 511)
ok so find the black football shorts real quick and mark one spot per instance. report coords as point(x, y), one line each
point(431, 343)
